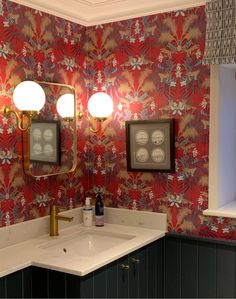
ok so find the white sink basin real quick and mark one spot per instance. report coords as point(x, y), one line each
point(86, 243)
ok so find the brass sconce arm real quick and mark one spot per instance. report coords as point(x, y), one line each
point(79, 115)
point(98, 121)
point(22, 98)
point(20, 122)
point(100, 107)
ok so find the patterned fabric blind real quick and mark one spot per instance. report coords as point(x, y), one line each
point(220, 45)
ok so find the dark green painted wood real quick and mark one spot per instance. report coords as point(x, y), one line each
point(206, 270)
point(123, 278)
point(193, 269)
point(202, 239)
point(226, 259)
point(142, 255)
point(27, 282)
point(14, 285)
point(112, 280)
point(189, 269)
point(134, 275)
point(160, 268)
point(151, 270)
point(56, 284)
point(86, 286)
point(39, 282)
point(72, 286)
point(172, 268)
point(100, 283)
point(3, 287)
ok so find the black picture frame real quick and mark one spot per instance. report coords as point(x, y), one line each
point(150, 145)
point(44, 142)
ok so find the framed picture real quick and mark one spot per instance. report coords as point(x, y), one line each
point(150, 145)
point(44, 142)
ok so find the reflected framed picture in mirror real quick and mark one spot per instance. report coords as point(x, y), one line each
point(44, 142)
point(150, 145)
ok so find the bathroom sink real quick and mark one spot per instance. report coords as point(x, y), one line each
point(86, 243)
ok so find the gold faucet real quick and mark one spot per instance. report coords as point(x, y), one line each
point(54, 217)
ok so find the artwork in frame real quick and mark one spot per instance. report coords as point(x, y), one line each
point(150, 145)
point(44, 142)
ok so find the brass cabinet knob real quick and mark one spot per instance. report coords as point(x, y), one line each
point(134, 260)
point(124, 267)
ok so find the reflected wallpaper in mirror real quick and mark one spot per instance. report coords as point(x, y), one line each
point(67, 131)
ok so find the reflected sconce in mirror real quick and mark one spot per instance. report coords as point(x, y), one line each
point(66, 107)
point(100, 107)
point(28, 97)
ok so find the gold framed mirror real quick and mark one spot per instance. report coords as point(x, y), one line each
point(40, 140)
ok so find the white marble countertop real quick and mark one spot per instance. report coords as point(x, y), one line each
point(144, 227)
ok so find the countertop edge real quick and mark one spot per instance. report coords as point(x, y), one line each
point(83, 273)
point(19, 243)
point(38, 260)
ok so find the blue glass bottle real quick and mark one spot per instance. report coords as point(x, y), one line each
point(99, 211)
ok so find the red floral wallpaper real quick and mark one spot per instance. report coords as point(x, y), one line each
point(38, 46)
point(152, 68)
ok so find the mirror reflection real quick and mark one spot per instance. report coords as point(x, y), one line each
point(50, 144)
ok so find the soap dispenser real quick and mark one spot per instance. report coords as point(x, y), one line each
point(87, 213)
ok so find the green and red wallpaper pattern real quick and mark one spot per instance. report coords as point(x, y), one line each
point(151, 66)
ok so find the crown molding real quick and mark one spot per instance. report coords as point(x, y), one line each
point(94, 12)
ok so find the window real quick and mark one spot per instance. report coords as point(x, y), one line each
point(222, 145)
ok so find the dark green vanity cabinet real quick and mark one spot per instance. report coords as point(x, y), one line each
point(144, 277)
point(176, 266)
point(137, 275)
point(16, 285)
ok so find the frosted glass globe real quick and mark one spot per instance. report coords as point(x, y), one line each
point(65, 105)
point(100, 105)
point(29, 96)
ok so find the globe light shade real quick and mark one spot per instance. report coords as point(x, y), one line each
point(100, 105)
point(29, 96)
point(65, 105)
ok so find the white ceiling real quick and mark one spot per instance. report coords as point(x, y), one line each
point(93, 12)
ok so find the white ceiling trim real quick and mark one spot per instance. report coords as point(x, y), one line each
point(94, 12)
point(99, 3)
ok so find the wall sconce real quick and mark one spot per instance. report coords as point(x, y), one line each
point(65, 106)
point(100, 107)
point(29, 98)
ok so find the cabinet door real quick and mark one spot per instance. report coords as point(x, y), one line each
point(100, 283)
point(160, 268)
point(138, 274)
point(142, 267)
point(2, 287)
point(152, 269)
point(112, 287)
point(123, 277)
point(134, 275)
point(86, 286)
